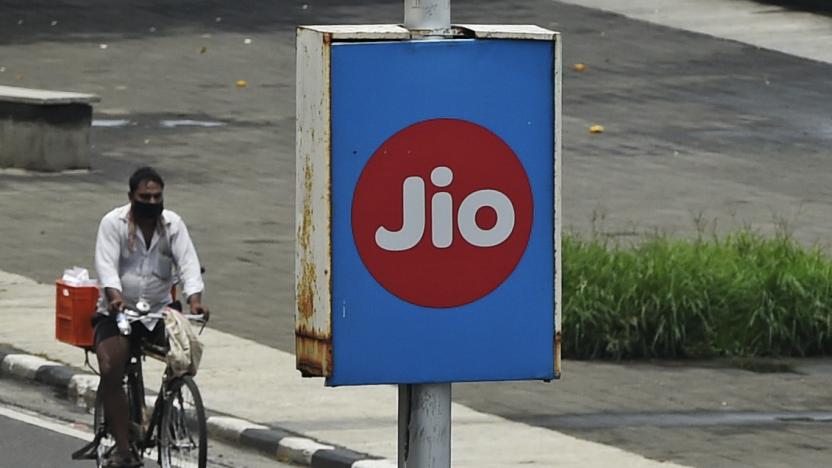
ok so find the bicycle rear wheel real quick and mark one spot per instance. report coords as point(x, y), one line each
point(183, 435)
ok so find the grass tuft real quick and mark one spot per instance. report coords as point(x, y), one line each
point(743, 295)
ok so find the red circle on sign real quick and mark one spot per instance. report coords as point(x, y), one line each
point(475, 245)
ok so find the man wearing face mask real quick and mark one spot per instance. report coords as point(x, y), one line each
point(140, 250)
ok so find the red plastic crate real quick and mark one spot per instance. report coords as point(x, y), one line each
point(74, 309)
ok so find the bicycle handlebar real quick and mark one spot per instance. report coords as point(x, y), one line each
point(134, 315)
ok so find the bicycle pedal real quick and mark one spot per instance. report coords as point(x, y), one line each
point(89, 451)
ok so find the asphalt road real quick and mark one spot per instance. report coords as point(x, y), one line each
point(38, 429)
point(25, 444)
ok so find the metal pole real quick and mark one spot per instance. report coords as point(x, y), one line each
point(425, 409)
point(427, 15)
point(425, 426)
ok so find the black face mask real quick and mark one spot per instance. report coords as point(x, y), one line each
point(144, 210)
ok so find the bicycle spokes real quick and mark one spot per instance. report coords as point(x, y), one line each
point(182, 442)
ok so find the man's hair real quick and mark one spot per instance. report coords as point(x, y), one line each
point(145, 174)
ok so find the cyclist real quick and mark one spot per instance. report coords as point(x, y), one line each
point(140, 252)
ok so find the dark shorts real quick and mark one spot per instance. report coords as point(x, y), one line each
point(105, 327)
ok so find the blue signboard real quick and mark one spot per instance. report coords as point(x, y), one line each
point(442, 211)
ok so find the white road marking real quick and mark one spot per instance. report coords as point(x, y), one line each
point(190, 123)
point(58, 427)
point(45, 424)
point(110, 123)
point(119, 123)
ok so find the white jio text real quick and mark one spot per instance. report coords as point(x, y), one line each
point(414, 214)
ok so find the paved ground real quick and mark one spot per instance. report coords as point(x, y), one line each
point(32, 446)
point(703, 414)
point(794, 27)
point(244, 379)
point(38, 429)
point(694, 413)
point(697, 128)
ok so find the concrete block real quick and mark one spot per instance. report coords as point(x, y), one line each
point(44, 131)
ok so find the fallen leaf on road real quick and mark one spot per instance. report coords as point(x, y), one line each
point(596, 129)
point(19, 76)
point(580, 67)
point(241, 83)
point(203, 50)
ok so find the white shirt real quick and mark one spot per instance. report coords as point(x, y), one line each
point(124, 262)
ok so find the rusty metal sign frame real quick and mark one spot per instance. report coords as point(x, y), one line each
point(313, 253)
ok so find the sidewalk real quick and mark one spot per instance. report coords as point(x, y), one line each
point(253, 382)
point(797, 33)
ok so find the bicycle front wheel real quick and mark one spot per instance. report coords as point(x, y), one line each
point(183, 435)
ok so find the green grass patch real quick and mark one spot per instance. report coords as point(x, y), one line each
point(744, 295)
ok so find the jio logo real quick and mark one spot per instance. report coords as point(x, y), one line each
point(442, 213)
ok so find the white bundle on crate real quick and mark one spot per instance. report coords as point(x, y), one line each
point(77, 276)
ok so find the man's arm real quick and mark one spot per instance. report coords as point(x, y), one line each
point(115, 301)
point(197, 307)
point(190, 270)
point(107, 253)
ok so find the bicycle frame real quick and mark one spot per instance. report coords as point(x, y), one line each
point(135, 374)
point(145, 436)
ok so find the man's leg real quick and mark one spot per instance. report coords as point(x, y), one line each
point(113, 353)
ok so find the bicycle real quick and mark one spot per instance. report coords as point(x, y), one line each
point(177, 427)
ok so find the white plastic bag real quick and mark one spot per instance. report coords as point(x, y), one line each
point(77, 276)
point(185, 349)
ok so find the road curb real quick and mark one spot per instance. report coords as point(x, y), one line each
point(276, 443)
